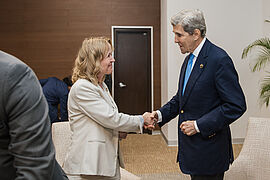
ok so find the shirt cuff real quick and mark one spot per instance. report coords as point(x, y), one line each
point(159, 116)
point(196, 126)
point(141, 124)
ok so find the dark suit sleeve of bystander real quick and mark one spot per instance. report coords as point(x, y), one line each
point(29, 125)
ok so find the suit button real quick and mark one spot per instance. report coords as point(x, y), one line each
point(182, 111)
point(212, 135)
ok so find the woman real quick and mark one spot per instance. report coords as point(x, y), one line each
point(94, 118)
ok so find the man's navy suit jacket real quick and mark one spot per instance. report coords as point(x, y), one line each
point(214, 98)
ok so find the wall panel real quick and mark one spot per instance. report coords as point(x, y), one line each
point(47, 34)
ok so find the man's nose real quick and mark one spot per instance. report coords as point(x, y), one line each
point(175, 39)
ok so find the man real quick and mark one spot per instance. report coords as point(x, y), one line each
point(26, 148)
point(208, 100)
point(56, 92)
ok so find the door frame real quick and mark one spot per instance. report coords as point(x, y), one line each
point(152, 58)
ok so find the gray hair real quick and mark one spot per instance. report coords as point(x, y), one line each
point(190, 20)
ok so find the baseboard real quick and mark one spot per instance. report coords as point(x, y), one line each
point(156, 132)
point(169, 143)
point(238, 140)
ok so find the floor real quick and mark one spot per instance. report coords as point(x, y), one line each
point(149, 154)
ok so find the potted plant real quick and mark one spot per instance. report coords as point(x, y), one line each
point(263, 47)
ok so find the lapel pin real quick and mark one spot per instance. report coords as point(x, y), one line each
point(201, 66)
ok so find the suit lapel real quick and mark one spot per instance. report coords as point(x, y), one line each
point(195, 74)
point(107, 96)
point(198, 68)
point(182, 75)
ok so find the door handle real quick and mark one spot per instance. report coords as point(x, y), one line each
point(122, 85)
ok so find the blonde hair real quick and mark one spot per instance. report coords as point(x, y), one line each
point(87, 63)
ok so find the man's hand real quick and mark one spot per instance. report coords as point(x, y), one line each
point(149, 120)
point(188, 128)
point(155, 115)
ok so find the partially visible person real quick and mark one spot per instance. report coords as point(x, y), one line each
point(26, 147)
point(56, 92)
point(108, 81)
point(94, 118)
point(208, 100)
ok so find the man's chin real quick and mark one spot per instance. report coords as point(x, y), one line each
point(183, 52)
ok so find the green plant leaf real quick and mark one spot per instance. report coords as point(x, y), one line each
point(265, 91)
point(263, 54)
point(263, 57)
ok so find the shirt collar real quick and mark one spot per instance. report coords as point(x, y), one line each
point(198, 49)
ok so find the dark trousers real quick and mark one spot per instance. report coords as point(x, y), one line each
point(208, 177)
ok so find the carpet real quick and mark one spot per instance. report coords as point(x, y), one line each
point(149, 157)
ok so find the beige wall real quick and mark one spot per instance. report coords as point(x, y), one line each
point(230, 24)
point(266, 16)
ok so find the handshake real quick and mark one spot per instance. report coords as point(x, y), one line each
point(150, 120)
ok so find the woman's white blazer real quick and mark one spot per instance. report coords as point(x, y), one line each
point(95, 123)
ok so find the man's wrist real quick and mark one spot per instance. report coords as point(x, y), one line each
point(159, 116)
point(196, 127)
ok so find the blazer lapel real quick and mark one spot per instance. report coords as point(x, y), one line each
point(198, 68)
point(182, 75)
point(195, 74)
point(107, 96)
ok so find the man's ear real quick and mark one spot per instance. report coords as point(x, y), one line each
point(196, 34)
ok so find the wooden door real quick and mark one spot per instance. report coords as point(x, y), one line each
point(132, 70)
